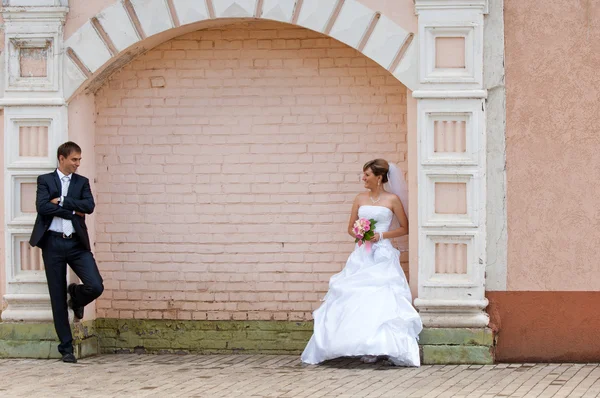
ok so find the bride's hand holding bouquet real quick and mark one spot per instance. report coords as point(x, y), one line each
point(364, 230)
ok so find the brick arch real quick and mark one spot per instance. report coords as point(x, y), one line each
point(129, 27)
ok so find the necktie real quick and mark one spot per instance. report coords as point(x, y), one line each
point(66, 224)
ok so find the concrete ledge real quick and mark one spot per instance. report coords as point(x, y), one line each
point(164, 336)
point(38, 340)
point(456, 354)
point(19, 340)
point(29, 349)
point(457, 346)
point(457, 336)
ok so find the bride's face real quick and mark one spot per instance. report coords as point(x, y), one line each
point(370, 180)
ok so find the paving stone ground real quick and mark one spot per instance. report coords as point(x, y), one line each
point(285, 376)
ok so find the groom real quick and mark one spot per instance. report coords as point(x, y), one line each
point(62, 200)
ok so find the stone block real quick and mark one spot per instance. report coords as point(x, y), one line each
point(38, 340)
point(456, 354)
point(457, 336)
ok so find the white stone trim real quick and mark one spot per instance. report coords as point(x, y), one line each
point(118, 26)
point(430, 73)
point(278, 10)
point(314, 14)
point(407, 70)
point(14, 117)
point(32, 28)
point(352, 23)
point(350, 26)
point(480, 6)
point(446, 21)
point(234, 8)
point(450, 94)
point(448, 300)
point(55, 15)
point(17, 236)
point(493, 78)
point(458, 313)
point(190, 11)
point(451, 112)
point(453, 283)
point(32, 101)
point(14, 80)
point(17, 218)
point(89, 47)
point(429, 216)
point(26, 291)
point(36, 3)
point(73, 77)
point(444, 167)
point(385, 42)
point(154, 16)
point(28, 307)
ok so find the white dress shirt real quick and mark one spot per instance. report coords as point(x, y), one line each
point(57, 222)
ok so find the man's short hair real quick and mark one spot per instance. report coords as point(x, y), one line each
point(67, 149)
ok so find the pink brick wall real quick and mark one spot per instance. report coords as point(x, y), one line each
point(227, 161)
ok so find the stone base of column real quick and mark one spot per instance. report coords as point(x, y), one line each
point(27, 308)
point(38, 340)
point(437, 313)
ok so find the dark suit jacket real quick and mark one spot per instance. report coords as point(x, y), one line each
point(79, 198)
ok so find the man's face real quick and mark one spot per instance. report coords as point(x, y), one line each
point(69, 164)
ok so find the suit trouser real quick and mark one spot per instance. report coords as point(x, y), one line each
point(57, 252)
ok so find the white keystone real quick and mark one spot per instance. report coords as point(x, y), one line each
point(118, 26)
point(352, 23)
point(315, 14)
point(72, 77)
point(190, 11)
point(407, 70)
point(279, 10)
point(153, 15)
point(89, 47)
point(384, 43)
point(234, 8)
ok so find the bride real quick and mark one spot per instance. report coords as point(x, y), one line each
point(368, 309)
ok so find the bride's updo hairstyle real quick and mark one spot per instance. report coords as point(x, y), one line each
point(379, 167)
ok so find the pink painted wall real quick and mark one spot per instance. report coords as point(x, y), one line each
point(553, 86)
point(224, 191)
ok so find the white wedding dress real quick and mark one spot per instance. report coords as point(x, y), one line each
point(368, 308)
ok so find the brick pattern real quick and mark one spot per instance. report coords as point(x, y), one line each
point(222, 337)
point(284, 376)
point(224, 191)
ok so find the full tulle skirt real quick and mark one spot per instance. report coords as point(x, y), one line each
point(367, 311)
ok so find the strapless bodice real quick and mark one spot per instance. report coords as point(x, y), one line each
point(381, 214)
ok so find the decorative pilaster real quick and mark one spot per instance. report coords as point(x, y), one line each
point(452, 164)
point(35, 123)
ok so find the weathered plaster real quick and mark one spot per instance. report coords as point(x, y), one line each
point(493, 75)
point(552, 141)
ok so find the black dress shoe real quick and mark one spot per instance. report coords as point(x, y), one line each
point(69, 358)
point(77, 311)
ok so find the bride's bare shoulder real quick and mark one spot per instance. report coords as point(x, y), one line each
point(391, 196)
point(361, 196)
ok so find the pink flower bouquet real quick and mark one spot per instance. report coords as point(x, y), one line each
point(364, 230)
